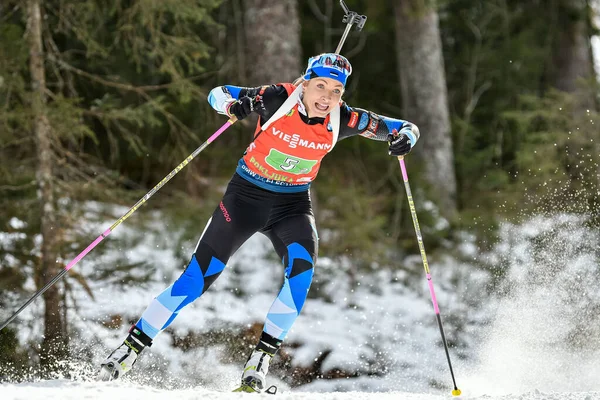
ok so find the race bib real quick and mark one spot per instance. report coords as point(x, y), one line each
point(290, 164)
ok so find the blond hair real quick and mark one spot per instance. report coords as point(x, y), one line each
point(299, 80)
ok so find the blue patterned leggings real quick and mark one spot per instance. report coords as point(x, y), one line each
point(285, 218)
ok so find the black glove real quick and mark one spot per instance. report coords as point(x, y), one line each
point(399, 144)
point(241, 108)
point(246, 106)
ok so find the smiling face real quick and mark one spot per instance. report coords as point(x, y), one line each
point(321, 95)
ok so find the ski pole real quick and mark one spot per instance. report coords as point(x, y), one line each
point(350, 18)
point(413, 213)
point(122, 219)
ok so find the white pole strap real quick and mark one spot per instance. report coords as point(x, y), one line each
point(334, 120)
point(291, 101)
point(287, 105)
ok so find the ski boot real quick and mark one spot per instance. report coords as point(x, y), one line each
point(120, 361)
point(254, 378)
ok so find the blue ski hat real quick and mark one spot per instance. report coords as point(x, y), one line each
point(329, 65)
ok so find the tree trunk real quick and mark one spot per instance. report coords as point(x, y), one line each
point(572, 71)
point(54, 346)
point(272, 41)
point(425, 96)
point(573, 61)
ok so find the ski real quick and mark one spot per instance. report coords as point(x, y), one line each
point(249, 389)
point(107, 373)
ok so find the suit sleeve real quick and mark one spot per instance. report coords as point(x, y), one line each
point(269, 97)
point(356, 121)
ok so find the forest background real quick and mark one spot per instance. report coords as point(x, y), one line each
point(99, 100)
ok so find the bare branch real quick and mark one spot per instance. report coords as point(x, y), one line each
point(475, 97)
point(362, 41)
point(13, 188)
point(317, 11)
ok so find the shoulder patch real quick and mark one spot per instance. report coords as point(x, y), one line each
point(373, 124)
point(364, 120)
point(353, 119)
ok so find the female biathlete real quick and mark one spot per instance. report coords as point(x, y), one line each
point(269, 193)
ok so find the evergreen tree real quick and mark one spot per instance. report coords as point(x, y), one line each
point(90, 84)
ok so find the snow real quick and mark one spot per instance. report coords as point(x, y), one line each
point(71, 390)
point(544, 332)
point(16, 223)
point(532, 337)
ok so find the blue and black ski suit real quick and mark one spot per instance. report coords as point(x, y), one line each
point(255, 203)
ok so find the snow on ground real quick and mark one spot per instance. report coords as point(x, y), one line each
point(69, 390)
point(534, 338)
point(545, 331)
point(374, 326)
